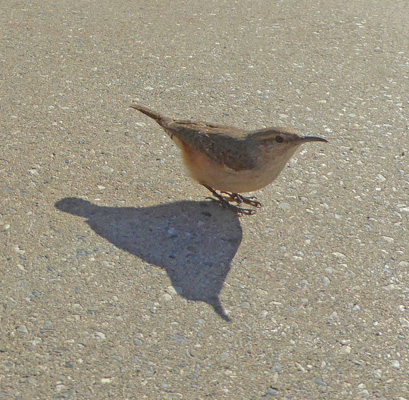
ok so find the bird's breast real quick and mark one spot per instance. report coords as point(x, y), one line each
point(220, 177)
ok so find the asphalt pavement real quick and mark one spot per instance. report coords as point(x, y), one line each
point(121, 280)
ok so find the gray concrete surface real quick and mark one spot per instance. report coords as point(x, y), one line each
point(121, 281)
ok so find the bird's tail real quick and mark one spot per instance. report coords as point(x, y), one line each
point(159, 118)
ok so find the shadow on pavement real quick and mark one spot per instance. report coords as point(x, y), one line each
point(193, 241)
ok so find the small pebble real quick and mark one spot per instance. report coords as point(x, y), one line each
point(100, 335)
point(180, 338)
point(18, 250)
point(284, 206)
point(380, 178)
point(339, 255)
point(345, 349)
point(271, 392)
point(388, 239)
point(320, 382)
point(171, 290)
point(105, 168)
point(245, 304)
point(167, 297)
point(325, 281)
point(300, 368)
point(22, 329)
point(378, 373)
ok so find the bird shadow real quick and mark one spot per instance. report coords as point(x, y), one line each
point(194, 242)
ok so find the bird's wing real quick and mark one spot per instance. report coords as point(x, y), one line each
point(225, 145)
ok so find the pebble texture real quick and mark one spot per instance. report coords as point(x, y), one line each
point(121, 281)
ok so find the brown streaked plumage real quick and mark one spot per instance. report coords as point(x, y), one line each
point(229, 159)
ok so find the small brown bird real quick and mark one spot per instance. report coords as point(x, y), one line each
point(229, 159)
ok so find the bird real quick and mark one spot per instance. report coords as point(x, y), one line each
point(229, 161)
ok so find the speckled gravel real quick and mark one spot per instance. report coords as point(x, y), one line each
point(121, 281)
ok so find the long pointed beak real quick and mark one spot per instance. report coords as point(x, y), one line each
point(306, 139)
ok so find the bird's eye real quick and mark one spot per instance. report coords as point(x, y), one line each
point(279, 139)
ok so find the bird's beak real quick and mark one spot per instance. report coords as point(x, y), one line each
point(306, 139)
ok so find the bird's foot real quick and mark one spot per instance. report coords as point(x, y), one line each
point(239, 199)
point(225, 204)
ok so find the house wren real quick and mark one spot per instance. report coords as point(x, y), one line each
point(229, 159)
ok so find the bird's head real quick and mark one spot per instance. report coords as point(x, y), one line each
point(281, 140)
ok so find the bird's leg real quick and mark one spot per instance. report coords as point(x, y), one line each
point(224, 203)
point(238, 198)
